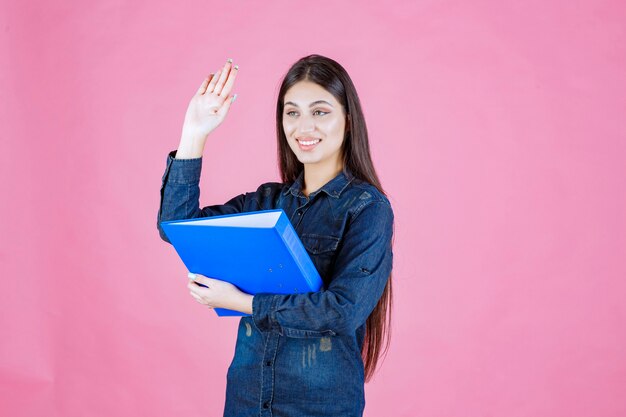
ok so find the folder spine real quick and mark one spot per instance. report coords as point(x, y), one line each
point(292, 241)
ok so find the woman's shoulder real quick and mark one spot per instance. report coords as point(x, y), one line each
point(366, 193)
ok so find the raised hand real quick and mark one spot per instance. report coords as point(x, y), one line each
point(209, 105)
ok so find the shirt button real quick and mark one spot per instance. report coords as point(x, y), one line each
point(266, 405)
point(268, 363)
point(299, 213)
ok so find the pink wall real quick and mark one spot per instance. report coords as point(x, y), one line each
point(496, 127)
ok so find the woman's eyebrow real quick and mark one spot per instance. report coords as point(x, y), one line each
point(310, 105)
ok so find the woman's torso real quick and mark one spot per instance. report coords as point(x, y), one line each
point(297, 372)
point(302, 374)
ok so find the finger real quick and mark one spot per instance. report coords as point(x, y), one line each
point(213, 81)
point(199, 299)
point(223, 77)
point(204, 85)
point(230, 81)
point(201, 279)
point(195, 277)
point(193, 287)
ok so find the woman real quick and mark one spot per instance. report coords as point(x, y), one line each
point(300, 354)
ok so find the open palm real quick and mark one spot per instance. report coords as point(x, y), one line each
point(209, 105)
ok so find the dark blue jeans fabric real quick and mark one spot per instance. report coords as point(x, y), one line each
point(300, 354)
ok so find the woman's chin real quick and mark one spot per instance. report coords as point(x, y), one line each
point(307, 159)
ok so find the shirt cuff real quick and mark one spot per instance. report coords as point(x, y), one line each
point(182, 171)
point(263, 312)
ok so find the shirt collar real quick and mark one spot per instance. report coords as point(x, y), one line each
point(333, 188)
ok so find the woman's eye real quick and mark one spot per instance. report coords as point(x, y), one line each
point(290, 113)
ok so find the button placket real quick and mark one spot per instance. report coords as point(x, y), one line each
point(267, 379)
point(300, 212)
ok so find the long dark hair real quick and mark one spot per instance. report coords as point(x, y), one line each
point(328, 74)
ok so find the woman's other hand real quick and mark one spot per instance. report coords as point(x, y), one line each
point(207, 109)
point(219, 294)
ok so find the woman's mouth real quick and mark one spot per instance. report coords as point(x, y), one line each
point(307, 145)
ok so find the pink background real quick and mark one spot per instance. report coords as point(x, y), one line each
point(498, 129)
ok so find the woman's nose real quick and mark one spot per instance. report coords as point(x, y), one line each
point(306, 125)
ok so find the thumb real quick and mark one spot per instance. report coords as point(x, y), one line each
point(199, 278)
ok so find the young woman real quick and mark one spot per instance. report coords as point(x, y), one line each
point(300, 354)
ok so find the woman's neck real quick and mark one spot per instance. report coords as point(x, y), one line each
point(315, 176)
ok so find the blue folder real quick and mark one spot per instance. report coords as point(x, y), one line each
point(257, 251)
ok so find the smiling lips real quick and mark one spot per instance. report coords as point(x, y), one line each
point(308, 141)
point(306, 144)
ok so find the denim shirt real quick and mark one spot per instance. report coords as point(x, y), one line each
point(300, 354)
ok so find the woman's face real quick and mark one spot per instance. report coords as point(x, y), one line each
point(314, 123)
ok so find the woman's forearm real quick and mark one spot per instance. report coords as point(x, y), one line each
point(190, 147)
point(243, 303)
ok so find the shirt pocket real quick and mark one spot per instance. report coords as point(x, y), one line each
point(301, 333)
point(321, 249)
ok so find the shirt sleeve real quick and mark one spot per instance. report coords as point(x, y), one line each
point(180, 194)
point(361, 270)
